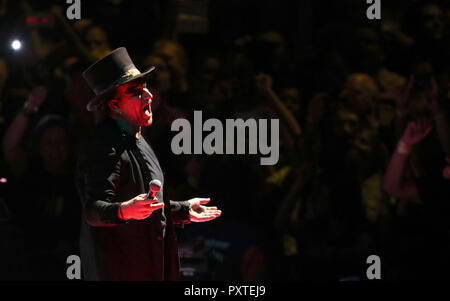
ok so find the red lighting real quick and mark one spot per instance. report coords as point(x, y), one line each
point(32, 20)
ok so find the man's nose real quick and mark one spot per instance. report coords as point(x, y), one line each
point(147, 95)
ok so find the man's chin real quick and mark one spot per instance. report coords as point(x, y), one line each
point(148, 122)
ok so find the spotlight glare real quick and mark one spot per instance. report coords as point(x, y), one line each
point(16, 45)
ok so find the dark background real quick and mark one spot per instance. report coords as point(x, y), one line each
point(320, 211)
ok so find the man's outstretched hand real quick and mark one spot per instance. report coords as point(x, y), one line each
point(200, 213)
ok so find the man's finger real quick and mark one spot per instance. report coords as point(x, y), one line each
point(205, 219)
point(209, 208)
point(203, 216)
point(149, 201)
point(213, 211)
point(156, 206)
point(141, 197)
point(204, 201)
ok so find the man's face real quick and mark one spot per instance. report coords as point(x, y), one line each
point(133, 101)
point(358, 91)
point(97, 41)
point(54, 148)
point(346, 124)
point(433, 21)
point(386, 113)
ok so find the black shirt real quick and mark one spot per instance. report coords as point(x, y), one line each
point(115, 167)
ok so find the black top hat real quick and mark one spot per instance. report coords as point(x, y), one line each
point(110, 72)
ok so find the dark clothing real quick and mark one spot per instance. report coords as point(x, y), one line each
point(47, 221)
point(422, 235)
point(434, 193)
point(113, 168)
point(53, 210)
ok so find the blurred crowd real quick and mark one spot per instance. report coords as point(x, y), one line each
point(363, 105)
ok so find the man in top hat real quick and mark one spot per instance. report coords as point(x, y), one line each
point(124, 235)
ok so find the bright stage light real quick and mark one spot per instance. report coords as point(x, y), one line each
point(16, 45)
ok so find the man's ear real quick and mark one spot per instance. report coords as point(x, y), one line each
point(113, 104)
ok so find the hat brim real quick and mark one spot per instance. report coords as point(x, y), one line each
point(101, 97)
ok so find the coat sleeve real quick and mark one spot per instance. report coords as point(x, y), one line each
point(100, 175)
point(180, 212)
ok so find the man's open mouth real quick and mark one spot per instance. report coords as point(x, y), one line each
point(147, 110)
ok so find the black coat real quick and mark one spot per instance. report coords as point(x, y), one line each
point(109, 172)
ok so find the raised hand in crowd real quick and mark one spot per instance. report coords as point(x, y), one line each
point(415, 132)
point(395, 182)
point(431, 97)
point(14, 155)
point(403, 97)
point(263, 83)
point(222, 91)
point(35, 99)
point(438, 115)
point(403, 107)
